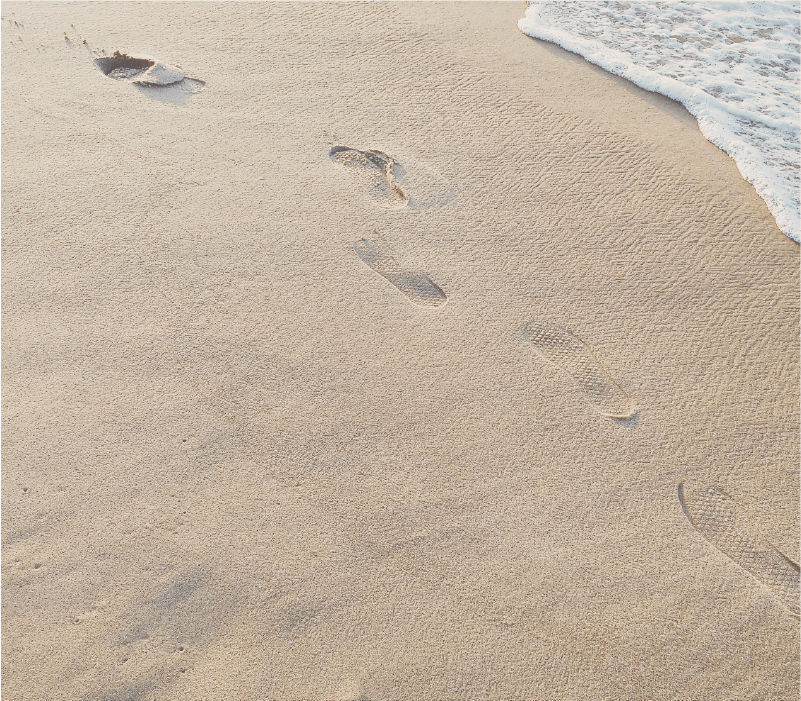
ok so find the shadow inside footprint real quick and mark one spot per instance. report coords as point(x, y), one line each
point(152, 78)
point(628, 421)
point(714, 515)
point(376, 172)
point(123, 67)
point(418, 288)
point(571, 354)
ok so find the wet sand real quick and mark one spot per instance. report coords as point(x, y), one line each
point(391, 354)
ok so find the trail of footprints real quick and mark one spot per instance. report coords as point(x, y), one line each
point(712, 512)
point(715, 516)
point(379, 176)
point(385, 182)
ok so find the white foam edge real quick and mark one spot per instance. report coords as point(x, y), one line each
point(710, 112)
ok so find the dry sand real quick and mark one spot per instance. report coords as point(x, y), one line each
point(289, 423)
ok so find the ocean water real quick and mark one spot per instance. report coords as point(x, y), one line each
point(733, 65)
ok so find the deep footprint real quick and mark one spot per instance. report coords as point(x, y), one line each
point(155, 79)
point(376, 172)
point(714, 515)
point(418, 288)
point(142, 70)
point(571, 354)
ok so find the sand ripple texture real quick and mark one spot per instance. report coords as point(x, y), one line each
point(734, 66)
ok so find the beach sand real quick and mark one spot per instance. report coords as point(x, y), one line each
point(398, 356)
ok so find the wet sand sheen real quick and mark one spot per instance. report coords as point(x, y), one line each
point(239, 464)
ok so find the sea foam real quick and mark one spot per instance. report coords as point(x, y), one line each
point(733, 65)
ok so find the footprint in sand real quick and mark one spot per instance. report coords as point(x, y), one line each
point(571, 354)
point(375, 171)
point(141, 70)
point(714, 515)
point(155, 79)
point(418, 288)
point(391, 184)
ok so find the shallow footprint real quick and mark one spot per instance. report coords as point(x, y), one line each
point(714, 515)
point(376, 172)
point(419, 288)
point(571, 354)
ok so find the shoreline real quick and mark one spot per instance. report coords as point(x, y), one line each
point(724, 122)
